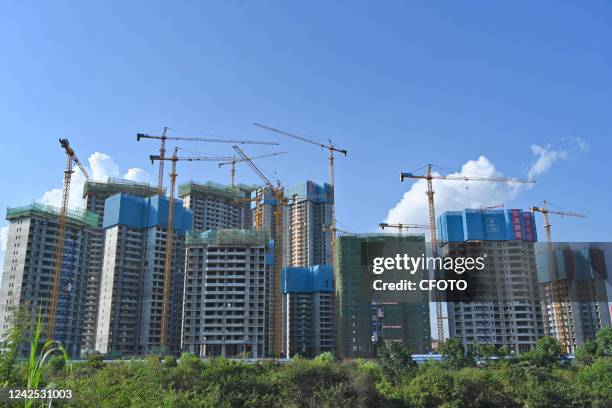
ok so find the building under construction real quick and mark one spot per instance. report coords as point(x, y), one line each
point(308, 310)
point(95, 193)
point(365, 317)
point(224, 311)
point(502, 307)
point(580, 270)
point(29, 267)
point(216, 206)
point(132, 281)
point(309, 218)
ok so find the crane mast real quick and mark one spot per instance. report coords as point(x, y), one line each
point(59, 247)
point(275, 289)
point(170, 236)
point(559, 289)
point(331, 149)
point(429, 177)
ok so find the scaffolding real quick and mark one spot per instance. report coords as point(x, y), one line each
point(238, 191)
point(115, 185)
point(78, 216)
point(228, 237)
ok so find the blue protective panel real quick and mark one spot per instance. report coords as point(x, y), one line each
point(450, 227)
point(318, 278)
point(487, 225)
point(310, 191)
point(144, 212)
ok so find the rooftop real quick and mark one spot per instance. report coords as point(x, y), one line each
point(115, 185)
point(227, 237)
point(210, 187)
point(78, 216)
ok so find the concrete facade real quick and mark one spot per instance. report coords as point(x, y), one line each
point(309, 218)
point(216, 206)
point(308, 311)
point(224, 312)
point(504, 306)
point(575, 299)
point(29, 265)
point(95, 193)
point(132, 281)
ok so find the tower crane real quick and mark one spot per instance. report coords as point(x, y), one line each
point(162, 148)
point(400, 227)
point(59, 247)
point(429, 177)
point(559, 291)
point(233, 162)
point(170, 235)
point(545, 211)
point(331, 149)
point(276, 324)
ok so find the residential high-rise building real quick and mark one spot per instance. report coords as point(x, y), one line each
point(308, 310)
point(309, 215)
point(364, 316)
point(575, 299)
point(224, 312)
point(216, 206)
point(132, 281)
point(95, 193)
point(503, 307)
point(264, 219)
point(29, 266)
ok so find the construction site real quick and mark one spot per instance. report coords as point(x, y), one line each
point(258, 270)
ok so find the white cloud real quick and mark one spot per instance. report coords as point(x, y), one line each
point(136, 174)
point(457, 195)
point(453, 195)
point(101, 167)
point(581, 144)
point(545, 157)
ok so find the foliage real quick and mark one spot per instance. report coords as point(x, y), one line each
point(395, 361)
point(603, 340)
point(600, 346)
point(327, 356)
point(454, 355)
point(94, 361)
point(393, 380)
point(38, 361)
point(18, 334)
point(546, 353)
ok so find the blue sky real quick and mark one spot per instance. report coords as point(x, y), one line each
point(397, 83)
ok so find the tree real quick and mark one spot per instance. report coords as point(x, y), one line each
point(546, 353)
point(586, 353)
point(453, 354)
point(603, 340)
point(326, 356)
point(395, 361)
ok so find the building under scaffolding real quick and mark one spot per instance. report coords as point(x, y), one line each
point(224, 311)
point(365, 317)
point(29, 263)
point(95, 193)
point(216, 206)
